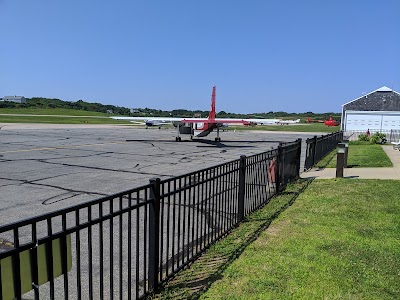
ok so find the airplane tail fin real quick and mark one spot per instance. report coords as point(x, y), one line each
point(308, 120)
point(212, 113)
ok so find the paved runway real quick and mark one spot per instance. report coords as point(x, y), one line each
point(48, 167)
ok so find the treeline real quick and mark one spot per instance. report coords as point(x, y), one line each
point(39, 102)
point(57, 103)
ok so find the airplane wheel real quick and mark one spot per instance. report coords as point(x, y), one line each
point(178, 139)
point(217, 139)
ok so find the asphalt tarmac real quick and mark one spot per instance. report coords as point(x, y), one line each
point(45, 168)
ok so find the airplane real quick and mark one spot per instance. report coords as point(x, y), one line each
point(149, 123)
point(328, 123)
point(262, 121)
point(287, 122)
point(195, 127)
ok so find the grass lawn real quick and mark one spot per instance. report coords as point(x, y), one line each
point(311, 242)
point(313, 127)
point(60, 120)
point(51, 111)
point(361, 154)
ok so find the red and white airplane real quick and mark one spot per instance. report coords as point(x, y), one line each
point(198, 127)
point(328, 123)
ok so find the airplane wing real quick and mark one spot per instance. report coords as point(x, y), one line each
point(155, 121)
point(216, 121)
point(145, 119)
point(200, 120)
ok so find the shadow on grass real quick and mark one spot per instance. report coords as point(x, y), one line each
point(323, 163)
point(352, 166)
point(195, 280)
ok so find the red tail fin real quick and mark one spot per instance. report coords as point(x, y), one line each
point(211, 115)
point(308, 120)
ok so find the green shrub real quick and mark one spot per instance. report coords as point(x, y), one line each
point(378, 138)
point(363, 138)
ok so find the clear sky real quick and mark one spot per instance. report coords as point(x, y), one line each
point(263, 55)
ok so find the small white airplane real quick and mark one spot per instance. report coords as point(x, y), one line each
point(148, 123)
point(263, 121)
point(198, 127)
point(287, 122)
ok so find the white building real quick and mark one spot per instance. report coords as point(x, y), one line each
point(17, 99)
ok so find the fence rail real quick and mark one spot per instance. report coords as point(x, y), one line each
point(126, 245)
point(318, 147)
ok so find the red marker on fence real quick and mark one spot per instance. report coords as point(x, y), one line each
point(271, 171)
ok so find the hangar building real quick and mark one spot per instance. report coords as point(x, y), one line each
point(17, 99)
point(376, 111)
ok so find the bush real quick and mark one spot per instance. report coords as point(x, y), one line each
point(378, 138)
point(363, 138)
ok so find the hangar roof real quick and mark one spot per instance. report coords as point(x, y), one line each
point(382, 99)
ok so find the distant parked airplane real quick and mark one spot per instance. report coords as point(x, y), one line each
point(287, 122)
point(328, 123)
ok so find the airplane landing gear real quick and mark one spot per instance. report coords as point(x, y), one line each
point(177, 138)
point(217, 139)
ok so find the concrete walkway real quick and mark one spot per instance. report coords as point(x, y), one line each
point(364, 173)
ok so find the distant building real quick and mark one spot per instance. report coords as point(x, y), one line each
point(133, 110)
point(110, 111)
point(376, 111)
point(16, 99)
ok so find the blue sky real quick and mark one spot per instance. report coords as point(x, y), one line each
point(292, 55)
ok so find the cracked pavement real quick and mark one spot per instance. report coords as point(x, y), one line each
point(47, 168)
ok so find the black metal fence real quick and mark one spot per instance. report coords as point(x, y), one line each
point(126, 245)
point(318, 147)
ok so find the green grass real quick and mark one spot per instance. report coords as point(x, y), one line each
point(59, 120)
point(51, 111)
point(313, 127)
point(337, 239)
point(361, 154)
point(328, 245)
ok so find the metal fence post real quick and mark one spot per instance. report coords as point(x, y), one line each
point(242, 186)
point(298, 158)
point(314, 149)
point(154, 234)
point(278, 166)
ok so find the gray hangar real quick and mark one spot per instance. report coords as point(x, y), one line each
point(376, 111)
